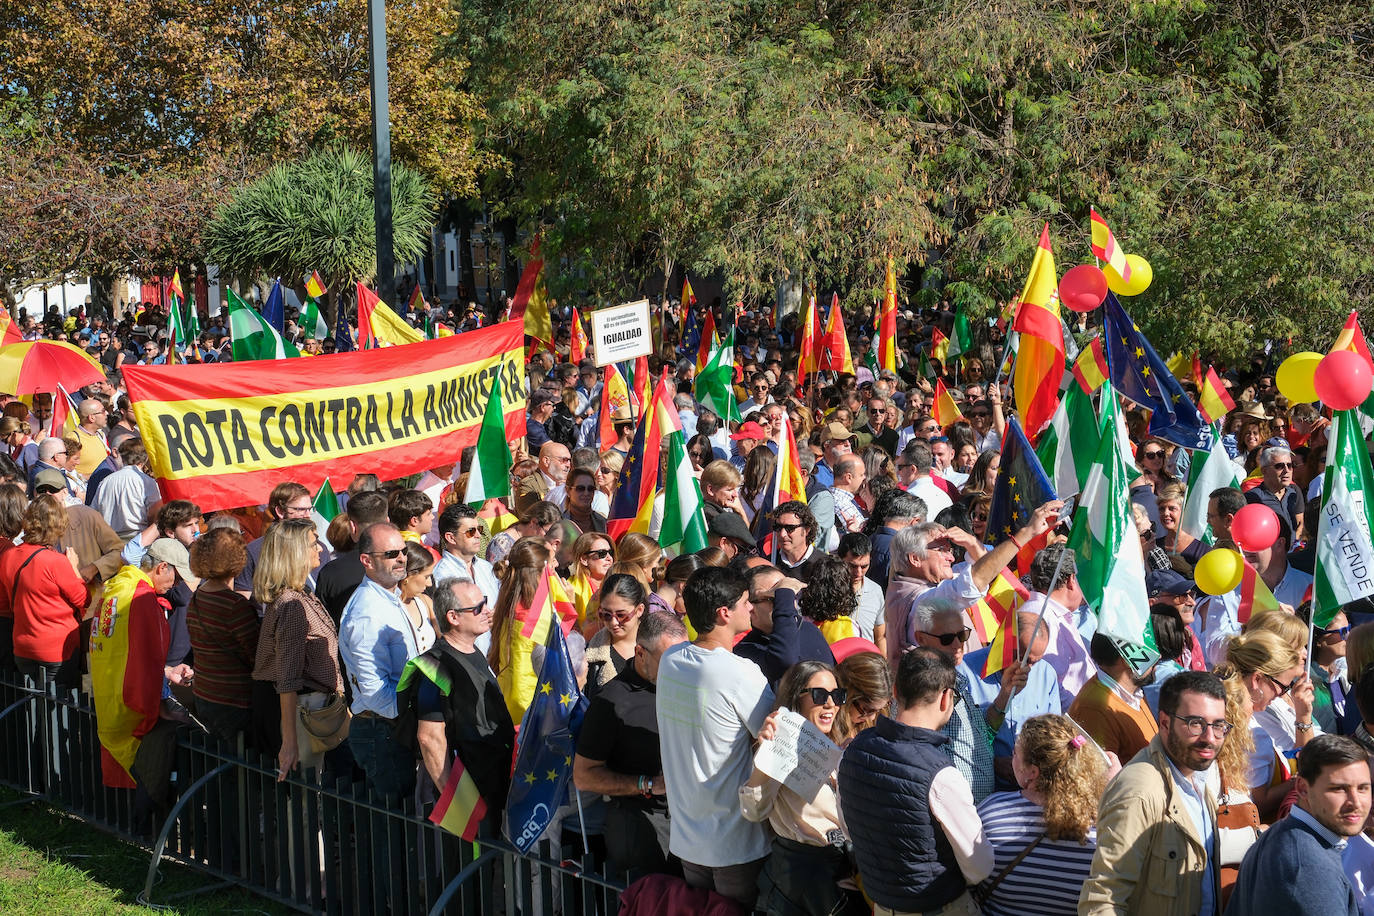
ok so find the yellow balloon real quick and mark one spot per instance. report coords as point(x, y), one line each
point(1141, 275)
point(1219, 571)
point(1296, 375)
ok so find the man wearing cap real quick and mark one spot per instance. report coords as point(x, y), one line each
point(746, 439)
point(549, 482)
point(1277, 490)
point(836, 442)
point(540, 410)
point(731, 534)
point(1169, 588)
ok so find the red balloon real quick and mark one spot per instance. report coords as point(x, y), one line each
point(1343, 379)
point(1255, 527)
point(1083, 288)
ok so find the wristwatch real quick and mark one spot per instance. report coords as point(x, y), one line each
point(1303, 726)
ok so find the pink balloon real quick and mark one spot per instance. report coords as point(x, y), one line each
point(1255, 527)
point(1343, 379)
point(1083, 288)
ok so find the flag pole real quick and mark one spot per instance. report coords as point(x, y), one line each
point(1044, 605)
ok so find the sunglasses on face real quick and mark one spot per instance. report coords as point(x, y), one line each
point(787, 529)
point(388, 554)
point(476, 609)
point(599, 554)
point(1280, 686)
point(584, 488)
point(1153, 455)
point(471, 532)
point(1341, 632)
point(948, 639)
point(1282, 465)
point(617, 616)
point(819, 695)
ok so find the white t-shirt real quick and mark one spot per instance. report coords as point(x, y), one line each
point(711, 703)
point(936, 500)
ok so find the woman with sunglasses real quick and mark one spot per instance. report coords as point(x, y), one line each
point(620, 606)
point(581, 497)
point(607, 478)
point(808, 859)
point(700, 452)
point(590, 560)
point(867, 680)
point(1330, 677)
point(1268, 668)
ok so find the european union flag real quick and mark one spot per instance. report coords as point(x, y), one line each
point(343, 335)
point(544, 754)
point(691, 335)
point(1022, 485)
point(1136, 371)
point(274, 309)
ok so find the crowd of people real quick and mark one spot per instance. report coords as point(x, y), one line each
point(1228, 772)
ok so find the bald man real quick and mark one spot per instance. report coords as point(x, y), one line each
point(90, 432)
point(549, 482)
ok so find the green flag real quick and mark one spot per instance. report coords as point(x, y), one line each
point(312, 322)
point(253, 336)
point(1206, 474)
point(714, 389)
point(1065, 445)
point(1345, 554)
point(960, 336)
point(684, 524)
point(176, 326)
point(324, 509)
point(1111, 566)
point(489, 476)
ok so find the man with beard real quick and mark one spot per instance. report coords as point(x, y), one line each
point(1111, 707)
point(1295, 867)
point(1157, 823)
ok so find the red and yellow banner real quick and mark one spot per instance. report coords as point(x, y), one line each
point(224, 435)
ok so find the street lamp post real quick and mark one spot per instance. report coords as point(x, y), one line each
point(381, 151)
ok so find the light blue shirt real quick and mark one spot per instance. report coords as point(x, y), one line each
point(376, 640)
point(1039, 697)
point(1197, 809)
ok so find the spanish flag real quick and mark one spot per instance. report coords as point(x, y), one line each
point(1003, 599)
point(1039, 366)
point(1004, 596)
point(579, 338)
point(1214, 401)
point(1254, 594)
point(314, 285)
point(531, 301)
point(945, 410)
point(615, 397)
point(789, 483)
point(709, 341)
point(379, 326)
point(531, 627)
point(939, 346)
point(689, 300)
point(1091, 367)
point(887, 321)
point(809, 361)
point(460, 808)
point(1105, 247)
point(835, 354)
point(9, 330)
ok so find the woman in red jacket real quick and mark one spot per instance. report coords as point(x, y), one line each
point(46, 595)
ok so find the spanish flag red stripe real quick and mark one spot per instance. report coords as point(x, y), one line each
point(1039, 366)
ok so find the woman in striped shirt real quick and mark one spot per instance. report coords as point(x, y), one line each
point(1051, 820)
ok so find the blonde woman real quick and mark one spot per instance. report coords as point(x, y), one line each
point(1238, 818)
point(1290, 720)
point(1052, 820)
point(1268, 668)
point(1169, 497)
point(590, 560)
point(298, 648)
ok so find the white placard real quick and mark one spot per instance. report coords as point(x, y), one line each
point(622, 332)
point(800, 756)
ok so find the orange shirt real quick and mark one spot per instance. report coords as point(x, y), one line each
point(1111, 722)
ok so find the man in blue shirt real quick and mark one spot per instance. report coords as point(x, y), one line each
point(376, 639)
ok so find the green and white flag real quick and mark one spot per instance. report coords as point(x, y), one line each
point(312, 322)
point(1345, 554)
point(714, 388)
point(489, 476)
point(1111, 567)
point(1213, 472)
point(684, 523)
point(1065, 446)
point(960, 336)
point(176, 326)
point(324, 510)
point(253, 335)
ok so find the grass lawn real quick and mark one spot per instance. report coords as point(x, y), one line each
point(53, 864)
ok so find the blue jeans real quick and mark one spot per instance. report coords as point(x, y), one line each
point(389, 766)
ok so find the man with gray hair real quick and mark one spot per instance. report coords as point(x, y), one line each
point(922, 573)
point(1069, 623)
point(893, 511)
point(687, 413)
point(618, 753)
point(1277, 490)
point(52, 455)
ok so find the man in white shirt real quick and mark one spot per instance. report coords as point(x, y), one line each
point(711, 705)
point(125, 496)
point(919, 456)
point(856, 549)
point(1067, 652)
point(1221, 614)
point(460, 537)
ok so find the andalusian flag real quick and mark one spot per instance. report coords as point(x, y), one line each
point(1111, 566)
point(887, 321)
point(1214, 471)
point(1105, 247)
point(314, 285)
point(489, 476)
point(253, 337)
point(939, 346)
point(379, 326)
point(715, 384)
point(578, 351)
point(961, 336)
point(1002, 602)
point(312, 321)
point(1039, 364)
point(1345, 553)
point(1214, 400)
point(835, 354)
point(945, 411)
point(1071, 437)
point(684, 524)
point(324, 510)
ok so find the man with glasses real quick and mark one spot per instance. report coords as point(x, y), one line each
point(1157, 837)
point(549, 481)
point(52, 456)
point(451, 695)
point(287, 500)
point(152, 354)
point(921, 461)
point(376, 640)
point(460, 537)
point(90, 432)
point(836, 442)
point(1277, 490)
point(759, 388)
point(779, 636)
point(986, 418)
point(880, 429)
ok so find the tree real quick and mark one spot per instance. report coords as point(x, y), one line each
point(317, 214)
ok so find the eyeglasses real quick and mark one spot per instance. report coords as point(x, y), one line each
point(476, 609)
point(979, 414)
point(1341, 632)
point(979, 516)
point(1194, 725)
point(948, 639)
point(819, 695)
point(617, 616)
point(1282, 465)
point(59, 454)
point(1153, 455)
point(606, 471)
point(584, 488)
point(1280, 686)
point(1148, 534)
point(786, 529)
point(598, 554)
point(471, 532)
point(876, 411)
point(868, 710)
point(387, 554)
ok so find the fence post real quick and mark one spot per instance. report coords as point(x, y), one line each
point(167, 829)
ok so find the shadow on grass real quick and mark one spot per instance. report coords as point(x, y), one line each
point(51, 863)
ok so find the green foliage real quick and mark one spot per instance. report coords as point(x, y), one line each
point(317, 214)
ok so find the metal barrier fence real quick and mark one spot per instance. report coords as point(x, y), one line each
point(335, 849)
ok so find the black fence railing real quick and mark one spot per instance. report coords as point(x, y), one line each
point(336, 849)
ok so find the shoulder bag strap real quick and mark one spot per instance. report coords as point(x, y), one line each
point(14, 586)
point(986, 891)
